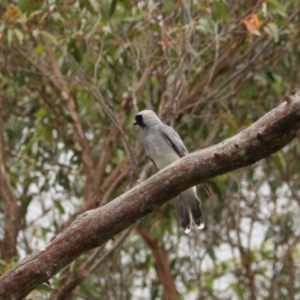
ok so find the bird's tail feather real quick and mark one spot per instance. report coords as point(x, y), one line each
point(197, 214)
point(183, 215)
point(188, 207)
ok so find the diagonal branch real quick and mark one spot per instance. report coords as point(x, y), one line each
point(266, 136)
point(62, 87)
point(161, 259)
point(59, 83)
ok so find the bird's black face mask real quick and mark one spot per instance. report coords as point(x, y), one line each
point(139, 121)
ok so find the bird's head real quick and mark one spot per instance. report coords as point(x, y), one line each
point(146, 118)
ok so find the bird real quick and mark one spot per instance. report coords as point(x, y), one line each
point(163, 146)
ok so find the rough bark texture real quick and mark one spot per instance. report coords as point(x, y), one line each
point(269, 134)
point(12, 212)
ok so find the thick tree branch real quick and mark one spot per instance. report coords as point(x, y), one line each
point(266, 136)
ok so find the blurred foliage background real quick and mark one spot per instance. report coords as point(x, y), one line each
point(74, 73)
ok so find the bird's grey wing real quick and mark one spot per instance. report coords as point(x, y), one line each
point(172, 137)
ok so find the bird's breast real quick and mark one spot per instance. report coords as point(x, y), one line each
point(159, 150)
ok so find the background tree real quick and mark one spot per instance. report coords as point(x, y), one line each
point(74, 74)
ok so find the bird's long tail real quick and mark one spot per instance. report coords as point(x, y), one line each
point(188, 207)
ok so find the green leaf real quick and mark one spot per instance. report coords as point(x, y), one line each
point(25, 204)
point(35, 148)
point(94, 4)
point(2, 262)
point(63, 180)
point(19, 34)
point(42, 112)
point(211, 253)
point(264, 9)
point(40, 49)
point(51, 38)
point(29, 6)
point(275, 32)
point(277, 7)
point(168, 7)
point(206, 26)
point(282, 160)
point(58, 205)
point(9, 36)
point(113, 7)
point(220, 11)
point(2, 27)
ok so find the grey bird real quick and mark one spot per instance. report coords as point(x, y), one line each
point(164, 146)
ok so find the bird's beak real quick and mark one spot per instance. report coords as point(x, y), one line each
point(134, 123)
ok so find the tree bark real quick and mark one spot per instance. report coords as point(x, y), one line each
point(266, 136)
point(162, 264)
point(12, 213)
